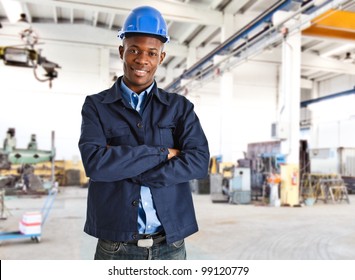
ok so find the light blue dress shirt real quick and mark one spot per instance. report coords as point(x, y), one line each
point(148, 221)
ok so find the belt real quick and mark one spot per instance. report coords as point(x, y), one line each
point(148, 240)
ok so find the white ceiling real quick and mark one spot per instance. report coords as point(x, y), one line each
point(193, 25)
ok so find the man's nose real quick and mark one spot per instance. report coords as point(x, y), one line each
point(142, 57)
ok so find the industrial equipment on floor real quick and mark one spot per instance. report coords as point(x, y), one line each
point(323, 187)
point(229, 183)
point(23, 159)
point(31, 224)
point(339, 161)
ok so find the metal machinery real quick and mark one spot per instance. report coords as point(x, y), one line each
point(325, 187)
point(322, 174)
point(339, 161)
point(11, 155)
point(27, 56)
point(229, 183)
point(249, 179)
point(220, 182)
point(240, 190)
point(216, 178)
point(264, 159)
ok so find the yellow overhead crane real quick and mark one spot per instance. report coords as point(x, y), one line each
point(334, 24)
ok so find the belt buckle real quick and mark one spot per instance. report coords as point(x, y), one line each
point(145, 243)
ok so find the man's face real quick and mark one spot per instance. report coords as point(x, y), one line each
point(141, 56)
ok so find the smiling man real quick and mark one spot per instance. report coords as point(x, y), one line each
point(140, 147)
point(141, 56)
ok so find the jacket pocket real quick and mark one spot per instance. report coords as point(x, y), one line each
point(116, 136)
point(166, 132)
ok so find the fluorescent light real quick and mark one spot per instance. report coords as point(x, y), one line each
point(13, 10)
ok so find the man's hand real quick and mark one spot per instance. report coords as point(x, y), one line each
point(173, 153)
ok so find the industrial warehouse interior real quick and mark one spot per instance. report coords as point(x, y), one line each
point(272, 83)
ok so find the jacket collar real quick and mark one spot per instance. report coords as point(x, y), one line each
point(114, 93)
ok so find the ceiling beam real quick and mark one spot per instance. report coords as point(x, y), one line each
point(55, 15)
point(110, 21)
point(309, 45)
point(336, 49)
point(71, 12)
point(27, 12)
point(215, 3)
point(202, 36)
point(234, 6)
point(310, 61)
point(188, 31)
point(183, 12)
point(176, 49)
point(307, 72)
point(318, 75)
point(248, 6)
point(325, 40)
point(12, 9)
point(327, 77)
point(175, 62)
point(95, 18)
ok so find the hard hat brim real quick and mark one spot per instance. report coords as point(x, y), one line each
point(163, 39)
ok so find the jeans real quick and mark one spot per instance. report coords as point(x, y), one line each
point(111, 250)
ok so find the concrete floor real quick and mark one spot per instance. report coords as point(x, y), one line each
point(227, 231)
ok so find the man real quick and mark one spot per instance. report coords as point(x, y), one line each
point(140, 147)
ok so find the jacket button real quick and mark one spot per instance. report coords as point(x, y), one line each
point(162, 149)
point(139, 125)
point(134, 236)
point(135, 202)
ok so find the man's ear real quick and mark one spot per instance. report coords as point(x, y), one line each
point(162, 56)
point(120, 50)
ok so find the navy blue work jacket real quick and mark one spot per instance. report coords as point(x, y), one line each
point(123, 150)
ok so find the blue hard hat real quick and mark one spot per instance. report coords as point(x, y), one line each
point(145, 20)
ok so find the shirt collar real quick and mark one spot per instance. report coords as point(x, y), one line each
point(128, 91)
point(115, 93)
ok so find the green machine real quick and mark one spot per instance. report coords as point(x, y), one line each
point(32, 155)
point(26, 157)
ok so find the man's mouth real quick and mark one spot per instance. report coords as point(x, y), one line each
point(140, 73)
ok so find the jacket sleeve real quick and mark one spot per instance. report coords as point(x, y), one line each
point(193, 161)
point(112, 163)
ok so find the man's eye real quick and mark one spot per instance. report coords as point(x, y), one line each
point(133, 51)
point(153, 54)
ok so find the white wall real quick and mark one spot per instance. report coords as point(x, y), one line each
point(337, 84)
point(253, 109)
point(31, 107)
point(333, 123)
